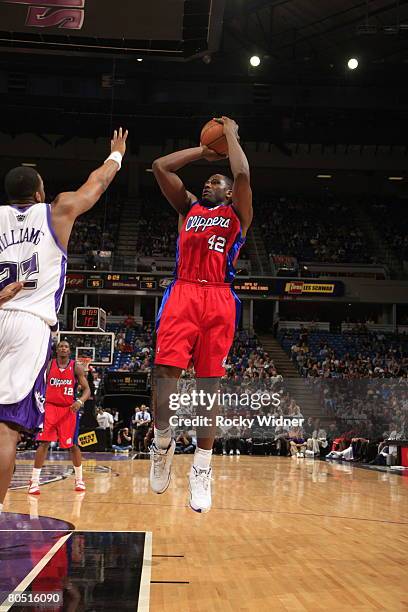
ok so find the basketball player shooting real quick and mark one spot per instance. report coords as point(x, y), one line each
point(33, 257)
point(61, 421)
point(199, 312)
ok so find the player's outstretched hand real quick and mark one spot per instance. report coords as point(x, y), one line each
point(211, 155)
point(118, 142)
point(9, 292)
point(229, 125)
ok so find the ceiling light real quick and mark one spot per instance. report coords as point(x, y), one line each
point(395, 178)
point(324, 176)
point(255, 60)
point(352, 63)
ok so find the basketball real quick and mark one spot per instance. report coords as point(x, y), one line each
point(212, 136)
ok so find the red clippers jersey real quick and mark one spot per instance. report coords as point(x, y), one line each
point(208, 244)
point(61, 385)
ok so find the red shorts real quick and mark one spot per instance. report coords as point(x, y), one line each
point(196, 324)
point(60, 424)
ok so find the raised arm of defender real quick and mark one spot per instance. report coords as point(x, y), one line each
point(69, 205)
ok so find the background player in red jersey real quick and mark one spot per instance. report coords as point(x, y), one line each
point(199, 311)
point(61, 414)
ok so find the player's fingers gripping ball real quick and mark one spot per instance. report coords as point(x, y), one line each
point(212, 136)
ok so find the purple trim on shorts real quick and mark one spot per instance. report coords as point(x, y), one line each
point(53, 234)
point(238, 306)
point(29, 413)
point(165, 299)
point(231, 256)
point(60, 291)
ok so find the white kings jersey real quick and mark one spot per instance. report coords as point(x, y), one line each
point(30, 253)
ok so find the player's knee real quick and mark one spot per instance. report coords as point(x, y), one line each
point(163, 371)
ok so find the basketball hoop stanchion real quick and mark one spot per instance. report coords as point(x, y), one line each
point(85, 362)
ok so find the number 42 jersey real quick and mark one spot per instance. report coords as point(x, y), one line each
point(209, 244)
point(30, 253)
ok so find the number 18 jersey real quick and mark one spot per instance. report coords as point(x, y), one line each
point(29, 252)
point(209, 244)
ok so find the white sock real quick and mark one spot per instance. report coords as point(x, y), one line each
point(35, 476)
point(1, 508)
point(78, 472)
point(162, 437)
point(202, 458)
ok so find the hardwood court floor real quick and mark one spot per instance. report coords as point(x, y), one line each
point(284, 534)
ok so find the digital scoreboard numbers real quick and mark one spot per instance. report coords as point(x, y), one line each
point(89, 318)
point(148, 285)
point(122, 281)
point(95, 283)
point(86, 318)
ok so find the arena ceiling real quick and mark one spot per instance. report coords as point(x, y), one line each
point(197, 66)
point(304, 31)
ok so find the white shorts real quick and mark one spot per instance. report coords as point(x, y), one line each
point(24, 354)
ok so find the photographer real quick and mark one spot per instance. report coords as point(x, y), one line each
point(124, 441)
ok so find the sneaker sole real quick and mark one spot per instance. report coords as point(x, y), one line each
point(165, 488)
point(33, 493)
point(199, 510)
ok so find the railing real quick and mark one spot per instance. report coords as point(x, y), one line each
point(310, 325)
point(384, 327)
point(378, 271)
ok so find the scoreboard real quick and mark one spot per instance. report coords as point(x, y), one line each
point(281, 288)
point(89, 318)
point(119, 281)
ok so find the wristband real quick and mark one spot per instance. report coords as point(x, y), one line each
point(80, 402)
point(116, 157)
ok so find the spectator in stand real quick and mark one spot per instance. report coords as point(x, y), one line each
point(297, 442)
point(140, 423)
point(105, 422)
point(327, 231)
point(124, 441)
point(317, 443)
point(185, 443)
point(130, 321)
point(233, 441)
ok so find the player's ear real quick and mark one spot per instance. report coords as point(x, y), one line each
point(38, 197)
point(229, 195)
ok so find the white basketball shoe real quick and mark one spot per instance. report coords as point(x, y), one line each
point(200, 489)
point(160, 467)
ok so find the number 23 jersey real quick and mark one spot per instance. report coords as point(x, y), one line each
point(209, 244)
point(29, 252)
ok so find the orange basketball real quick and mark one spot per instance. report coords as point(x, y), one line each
point(212, 135)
